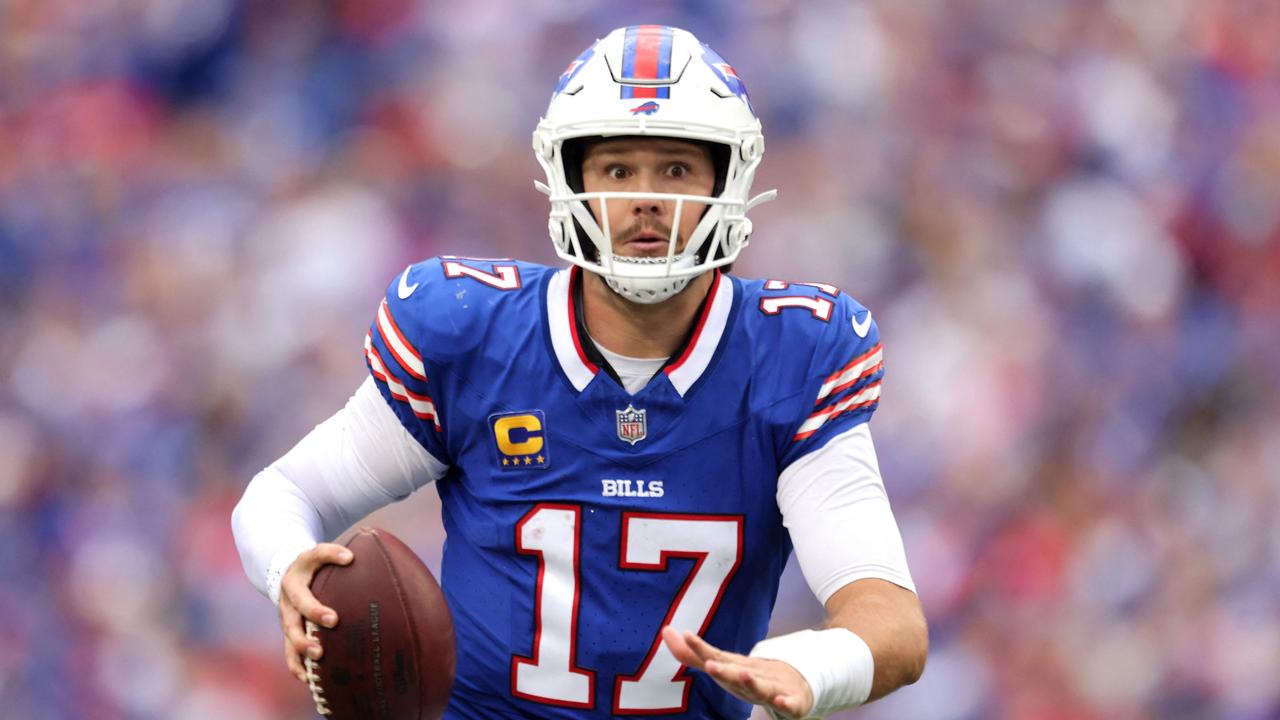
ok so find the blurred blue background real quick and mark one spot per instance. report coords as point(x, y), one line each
point(1065, 215)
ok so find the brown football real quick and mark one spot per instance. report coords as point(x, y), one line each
point(391, 656)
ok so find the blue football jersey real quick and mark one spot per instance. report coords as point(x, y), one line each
point(582, 519)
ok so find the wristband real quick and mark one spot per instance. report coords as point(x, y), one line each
point(836, 663)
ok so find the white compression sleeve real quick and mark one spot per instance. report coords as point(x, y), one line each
point(355, 462)
point(834, 504)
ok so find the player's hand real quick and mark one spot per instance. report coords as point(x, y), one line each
point(298, 604)
point(771, 683)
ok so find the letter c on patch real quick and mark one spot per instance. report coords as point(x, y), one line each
point(518, 434)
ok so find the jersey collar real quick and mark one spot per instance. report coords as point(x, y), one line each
point(580, 359)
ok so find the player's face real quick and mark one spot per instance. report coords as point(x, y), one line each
point(642, 227)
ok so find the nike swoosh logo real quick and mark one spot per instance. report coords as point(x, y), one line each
point(405, 289)
point(862, 328)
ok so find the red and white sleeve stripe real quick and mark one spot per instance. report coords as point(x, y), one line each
point(421, 405)
point(867, 396)
point(859, 369)
point(849, 375)
point(401, 350)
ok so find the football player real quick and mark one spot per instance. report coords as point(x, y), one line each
point(627, 449)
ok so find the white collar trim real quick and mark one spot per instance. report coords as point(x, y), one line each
point(572, 359)
point(682, 373)
point(686, 370)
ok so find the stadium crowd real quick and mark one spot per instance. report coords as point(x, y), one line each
point(1065, 216)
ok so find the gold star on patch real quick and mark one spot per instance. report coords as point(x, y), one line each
point(541, 459)
point(527, 461)
point(505, 461)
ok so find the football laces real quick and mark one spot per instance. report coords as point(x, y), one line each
point(313, 679)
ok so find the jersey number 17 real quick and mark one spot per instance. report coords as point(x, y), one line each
point(552, 532)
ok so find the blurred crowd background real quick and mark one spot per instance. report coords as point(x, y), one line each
point(1065, 215)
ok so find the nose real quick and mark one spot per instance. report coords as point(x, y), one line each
point(646, 207)
point(640, 207)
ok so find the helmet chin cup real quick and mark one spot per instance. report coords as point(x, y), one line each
point(661, 285)
point(647, 292)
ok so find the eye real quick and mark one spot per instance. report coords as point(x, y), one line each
point(616, 172)
point(678, 171)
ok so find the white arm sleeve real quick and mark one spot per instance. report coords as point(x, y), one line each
point(834, 504)
point(355, 462)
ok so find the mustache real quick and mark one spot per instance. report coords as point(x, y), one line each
point(643, 226)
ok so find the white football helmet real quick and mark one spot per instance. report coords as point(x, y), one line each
point(650, 80)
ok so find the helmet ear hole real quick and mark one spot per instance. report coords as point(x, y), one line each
point(573, 152)
point(720, 154)
point(589, 250)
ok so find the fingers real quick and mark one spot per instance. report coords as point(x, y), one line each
point(309, 607)
point(295, 632)
point(724, 667)
point(294, 661)
point(755, 680)
point(296, 584)
point(679, 648)
point(329, 554)
point(737, 679)
point(789, 705)
point(731, 673)
point(692, 650)
point(295, 641)
point(769, 691)
point(705, 650)
point(297, 604)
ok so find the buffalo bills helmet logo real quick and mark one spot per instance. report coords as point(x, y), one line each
point(648, 108)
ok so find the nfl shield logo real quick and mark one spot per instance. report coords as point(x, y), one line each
point(631, 425)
